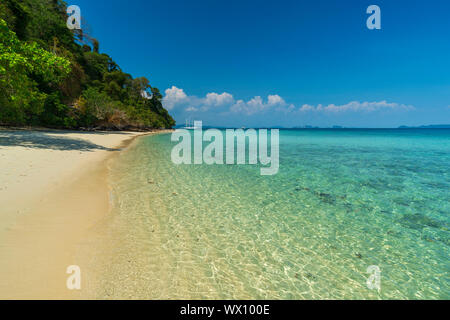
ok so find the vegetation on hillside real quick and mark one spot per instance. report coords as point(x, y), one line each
point(52, 76)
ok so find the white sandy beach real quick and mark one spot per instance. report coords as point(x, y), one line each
point(33, 162)
point(52, 191)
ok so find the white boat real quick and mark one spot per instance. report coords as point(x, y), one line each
point(190, 125)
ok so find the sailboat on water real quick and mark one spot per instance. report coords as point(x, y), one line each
point(190, 125)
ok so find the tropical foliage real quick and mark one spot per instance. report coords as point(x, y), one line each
point(52, 76)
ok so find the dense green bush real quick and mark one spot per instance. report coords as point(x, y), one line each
point(55, 77)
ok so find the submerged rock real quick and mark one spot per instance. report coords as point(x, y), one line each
point(326, 197)
point(419, 221)
point(302, 189)
point(310, 276)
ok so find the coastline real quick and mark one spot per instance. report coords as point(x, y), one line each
point(54, 191)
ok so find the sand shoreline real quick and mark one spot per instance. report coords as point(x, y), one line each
point(53, 190)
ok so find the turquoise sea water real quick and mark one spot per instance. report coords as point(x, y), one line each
point(343, 200)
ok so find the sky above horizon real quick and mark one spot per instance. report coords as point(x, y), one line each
point(284, 63)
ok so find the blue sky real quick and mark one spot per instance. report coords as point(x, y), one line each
point(284, 63)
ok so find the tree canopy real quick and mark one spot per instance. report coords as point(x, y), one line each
point(52, 76)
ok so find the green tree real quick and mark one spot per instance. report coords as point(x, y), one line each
point(21, 101)
point(56, 77)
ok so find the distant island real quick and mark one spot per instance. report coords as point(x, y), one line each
point(431, 126)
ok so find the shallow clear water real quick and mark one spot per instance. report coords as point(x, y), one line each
point(343, 200)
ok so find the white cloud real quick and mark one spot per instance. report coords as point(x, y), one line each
point(191, 109)
point(213, 99)
point(257, 105)
point(173, 97)
point(306, 107)
point(286, 108)
point(250, 107)
point(177, 98)
point(274, 100)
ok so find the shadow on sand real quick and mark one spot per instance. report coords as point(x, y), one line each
point(45, 140)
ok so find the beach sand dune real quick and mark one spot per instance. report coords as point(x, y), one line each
point(53, 189)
